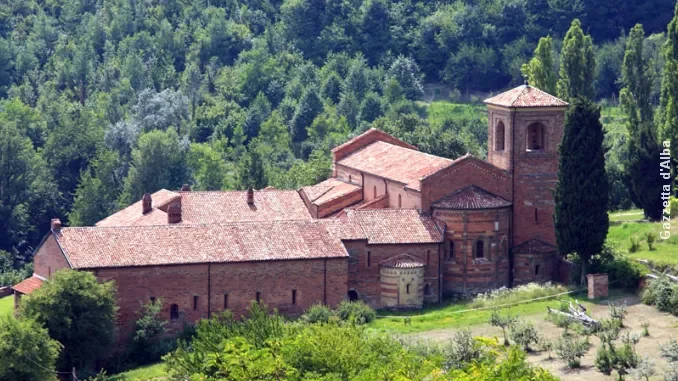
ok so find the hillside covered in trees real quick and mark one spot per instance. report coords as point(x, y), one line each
point(103, 100)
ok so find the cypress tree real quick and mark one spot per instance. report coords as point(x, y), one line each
point(668, 110)
point(581, 195)
point(541, 69)
point(577, 64)
point(642, 145)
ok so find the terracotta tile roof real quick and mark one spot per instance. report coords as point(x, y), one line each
point(231, 206)
point(471, 197)
point(28, 285)
point(393, 162)
point(344, 229)
point(328, 190)
point(392, 226)
point(98, 247)
point(132, 215)
point(370, 136)
point(535, 246)
point(403, 261)
point(526, 96)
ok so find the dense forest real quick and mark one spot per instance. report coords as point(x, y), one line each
point(103, 100)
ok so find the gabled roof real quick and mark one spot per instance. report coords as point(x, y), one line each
point(232, 206)
point(99, 247)
point(403, 261)
point(393, 226)
point(404, 165)
point(28, 285)
point(535, 246)
point(131, 215)
point(368, 137)
point(471, 197)
point(525, 96)
point(328, 190)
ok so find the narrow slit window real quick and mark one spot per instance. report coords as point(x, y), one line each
point(226, 301)
point(152, 299)
point(195, 302)
point(174, 312)
point(258, 296)
point(536, 216)
point(400, 201)
point(499, 137)
point(294, 296)
point(480, 249)
point(375, 191)
point(427, 289)
point(369, 259)
point(536, 270)
point(407, 288)
point(451, 249)
point(428, 256)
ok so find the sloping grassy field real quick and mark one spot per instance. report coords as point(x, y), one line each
point(6, 305)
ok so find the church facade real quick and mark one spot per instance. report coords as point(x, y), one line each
point(392, 226)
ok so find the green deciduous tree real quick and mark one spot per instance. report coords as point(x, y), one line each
point(26, 351)
point(577, 64)
point(541, 69)
point(668, 110)
point(158, 162)
point(207, 166)
point(642, 145)
point(581, 195)
point(78, 312)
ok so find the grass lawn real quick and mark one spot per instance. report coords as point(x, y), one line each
point(155, 372)
point(665, 251)
point(449, 316)
point(627, 215)
point(6, 305)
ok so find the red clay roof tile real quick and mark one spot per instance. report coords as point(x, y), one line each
point(524, 97)
point(393, 162)
point(471, 197)
point(392, 226)
point(403, 261)
point(98, 247)
point(28, 285)
point(132, 215)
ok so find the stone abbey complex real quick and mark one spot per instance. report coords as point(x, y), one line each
point(393, 226)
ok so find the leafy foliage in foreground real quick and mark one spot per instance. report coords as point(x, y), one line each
point(265, 347)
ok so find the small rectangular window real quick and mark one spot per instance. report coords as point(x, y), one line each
point(536, 216)
point(258, 296)
point(294, 296)
point(226, 301)
point(152, 299)
point(536, 270)
point(369, 259)
point(195, 302)
point(428, 256)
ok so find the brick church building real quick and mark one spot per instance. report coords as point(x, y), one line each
point(392, 226)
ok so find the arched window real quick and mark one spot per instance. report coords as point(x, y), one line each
point(407, 288)
point(352, 295)
point(174, 312)
point(499, 137)
point(451, 249)
point(375, 191)
point(427, 289)
point(535, 137)
point(400, 201)
point(480, 249)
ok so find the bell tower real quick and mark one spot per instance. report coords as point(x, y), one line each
point(525, 129)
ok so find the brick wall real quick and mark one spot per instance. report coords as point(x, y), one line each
point(364, 277)
point(49, 258)
point(469, 171)
point(534, 268)
point(180, 284)
point(597, 286)
point(463, 273)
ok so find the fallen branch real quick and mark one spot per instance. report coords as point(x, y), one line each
point(576, 315)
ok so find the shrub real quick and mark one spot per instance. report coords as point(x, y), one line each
point(660, 293)
point(669, 351)
point(634, 244)
point(524, 334)
point(23, 343)
point(626, 272)
point(571, 350)
point(502, 321)
point(148, 344)
point(546, 345)
point(317, 313)
point(461, 350)
point(650, 239)
point(362, 313)
point(646, 331)
point(617, 311)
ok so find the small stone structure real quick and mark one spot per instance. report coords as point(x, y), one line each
point(597, 284)
point(402, 282)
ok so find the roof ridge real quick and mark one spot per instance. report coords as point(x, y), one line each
point(173, 226)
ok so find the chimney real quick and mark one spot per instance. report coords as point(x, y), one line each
point(55, 224)
point(174, 214)
point(146, 203)
point(186, 188)
point(250, 196)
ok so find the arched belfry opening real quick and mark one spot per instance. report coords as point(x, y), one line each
point(535, 136)
point(499, 137)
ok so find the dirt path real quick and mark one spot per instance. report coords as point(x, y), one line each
point(663, 326)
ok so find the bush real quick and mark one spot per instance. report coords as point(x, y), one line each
point(148, 343)
point(362, 313)
point(626, 272)
point(617, 311)
point(317, 313)
point(23, 343)
point(650, 239)
point(461, 350)
point(661, 293)
point(571, 350)
point(523, 333)
point(502, 321)
point(634, 244)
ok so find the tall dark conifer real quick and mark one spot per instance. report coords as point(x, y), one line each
point(581, 196)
